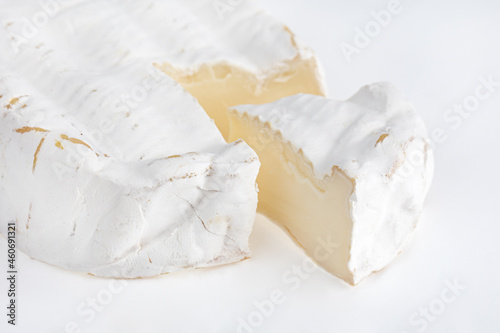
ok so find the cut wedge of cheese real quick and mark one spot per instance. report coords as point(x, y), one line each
point(346, 179)
point(110, 167)
point(223, 56)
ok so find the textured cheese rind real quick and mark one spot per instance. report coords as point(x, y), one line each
point(237, 57)
point(377, 140)
point(160, 191)
point(185, 34)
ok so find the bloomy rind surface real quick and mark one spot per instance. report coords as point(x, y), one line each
point(99, 166)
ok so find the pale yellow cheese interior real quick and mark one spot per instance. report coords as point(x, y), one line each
point(315, 212)
point(221, 86)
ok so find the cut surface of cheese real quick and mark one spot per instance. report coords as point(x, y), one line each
point(221, 86)
point(107, 165)
point(223, 59)
point(244, 56)
point(346, 179)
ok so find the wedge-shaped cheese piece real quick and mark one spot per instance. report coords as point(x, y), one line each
point(102, 186)
point(346, 179)
point(223, 55)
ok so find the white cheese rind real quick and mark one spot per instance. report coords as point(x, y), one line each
point(240, 56)
point(378, 141)
point(186, 34)
point(102, 183)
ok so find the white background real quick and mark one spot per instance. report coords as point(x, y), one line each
point(435, 52)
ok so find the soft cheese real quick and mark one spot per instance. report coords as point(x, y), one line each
point(107, 165)
point(350, 174)
point(224, 57)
